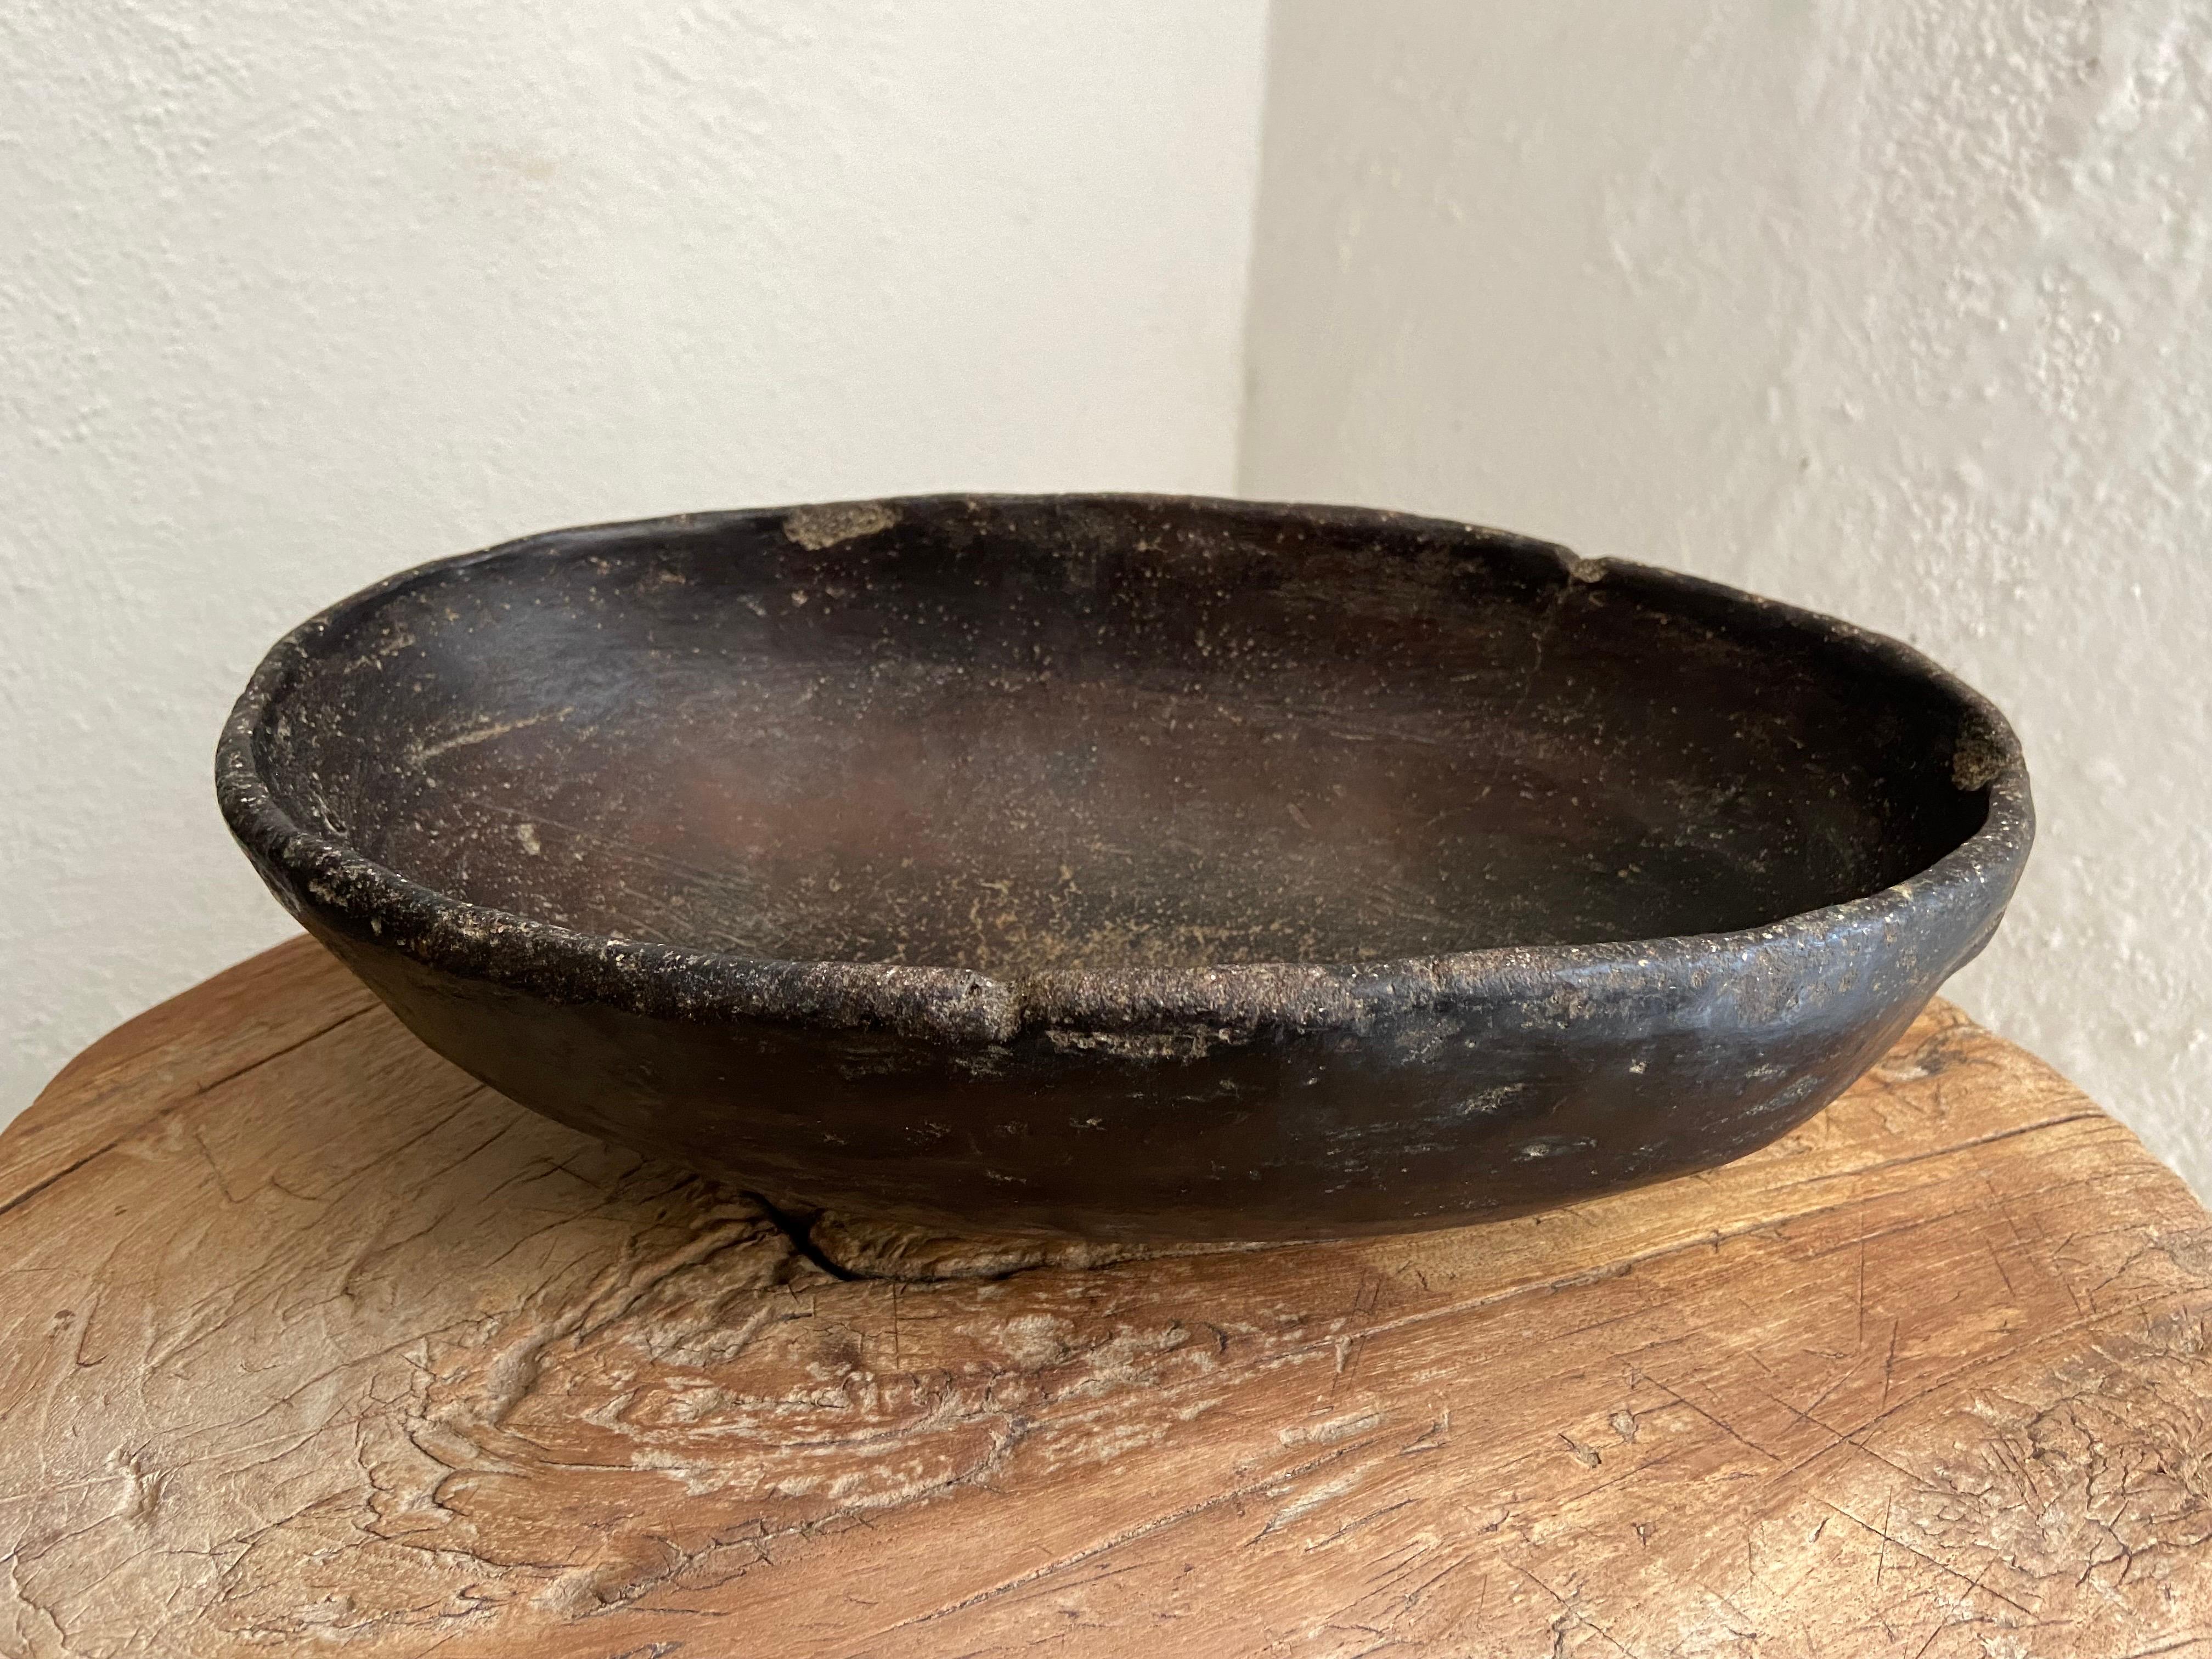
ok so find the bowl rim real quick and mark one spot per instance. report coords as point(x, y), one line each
point(321, 878)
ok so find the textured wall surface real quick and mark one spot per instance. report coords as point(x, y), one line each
point(1898, 311)
point(294, 296)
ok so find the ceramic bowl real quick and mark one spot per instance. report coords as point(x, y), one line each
point(1128, 867)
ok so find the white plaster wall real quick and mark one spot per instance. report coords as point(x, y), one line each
point(1898, 310)
point(294, 295)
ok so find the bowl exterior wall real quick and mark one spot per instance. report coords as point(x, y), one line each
point(1428, 1111)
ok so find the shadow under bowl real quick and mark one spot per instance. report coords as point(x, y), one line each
point(1128, 867)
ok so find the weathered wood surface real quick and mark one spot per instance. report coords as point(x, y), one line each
point(309, 1344)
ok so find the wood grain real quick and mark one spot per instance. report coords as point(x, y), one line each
point(309, 1343)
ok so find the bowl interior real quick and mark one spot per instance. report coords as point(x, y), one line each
point(1018, 735)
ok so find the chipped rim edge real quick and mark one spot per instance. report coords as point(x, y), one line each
point(315, 874)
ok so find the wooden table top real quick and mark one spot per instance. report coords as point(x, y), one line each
point(312, 1344)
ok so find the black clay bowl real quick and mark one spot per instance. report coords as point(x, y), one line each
point(1128, 867)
